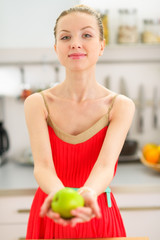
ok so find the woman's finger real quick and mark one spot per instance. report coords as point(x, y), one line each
point(93, 204)
point(61, 221)
point(75, 220)
point(96, 209)
point(56, 218)
point(91, 201)
point(45, 206)
point(52, 214)
point(84, 217)
point(86, 211)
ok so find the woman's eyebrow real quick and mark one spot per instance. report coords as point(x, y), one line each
point(63, 30)
point(87, 27)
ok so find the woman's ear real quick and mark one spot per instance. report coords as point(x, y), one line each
point(55, 48)
point(102, 46)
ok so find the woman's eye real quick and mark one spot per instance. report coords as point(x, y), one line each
point(65, 38)
point(87, 35)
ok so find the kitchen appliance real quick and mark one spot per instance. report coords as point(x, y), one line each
point(4, 139)
point(129, 152)
point(4, 143)
point(129, 147)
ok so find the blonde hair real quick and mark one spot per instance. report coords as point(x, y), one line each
point(83, 9)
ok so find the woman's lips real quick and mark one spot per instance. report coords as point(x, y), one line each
point(77, 55)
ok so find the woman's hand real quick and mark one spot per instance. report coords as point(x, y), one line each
point(80, 214)
point(47, 211)
point(86, 213)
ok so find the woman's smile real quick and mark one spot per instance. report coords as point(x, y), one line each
point(77, 55)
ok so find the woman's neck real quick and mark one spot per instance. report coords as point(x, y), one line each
point(80, 86)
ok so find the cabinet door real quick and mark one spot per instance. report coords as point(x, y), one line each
point(15, 209)
point(13, 232)
point(142, 223)
point(141, 213)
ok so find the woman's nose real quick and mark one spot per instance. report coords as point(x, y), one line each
point(75, 45)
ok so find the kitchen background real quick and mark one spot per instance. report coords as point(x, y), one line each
point(26, 46)
point(130, 65)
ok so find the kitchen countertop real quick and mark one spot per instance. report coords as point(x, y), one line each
point(17, 178)
point(132, 176)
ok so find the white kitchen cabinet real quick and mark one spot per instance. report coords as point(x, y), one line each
point(142, 223)
point(141, 213)
point(14, 216)
point(13, 232)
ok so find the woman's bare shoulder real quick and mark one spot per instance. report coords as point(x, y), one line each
point(35, 102)
point(122, 106)
point(124, 101)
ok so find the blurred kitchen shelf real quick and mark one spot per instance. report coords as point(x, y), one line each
point(9, 95)
point(113, 54)
point(27, 56)
point(131, 53)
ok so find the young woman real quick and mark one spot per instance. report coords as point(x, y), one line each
point(77, 130)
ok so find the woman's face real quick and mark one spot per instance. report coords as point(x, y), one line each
point(78, 44)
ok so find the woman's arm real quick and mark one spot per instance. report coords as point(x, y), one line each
point(44, 170)
point(103, 170)
point(121, 117)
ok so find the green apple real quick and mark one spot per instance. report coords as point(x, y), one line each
point(66, 200)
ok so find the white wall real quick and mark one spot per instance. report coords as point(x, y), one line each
point(146, 8)
point(29, 23)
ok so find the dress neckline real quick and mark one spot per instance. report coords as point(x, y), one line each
point(80, 137)
point(84, 135)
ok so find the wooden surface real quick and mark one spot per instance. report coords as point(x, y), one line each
point(121, 238)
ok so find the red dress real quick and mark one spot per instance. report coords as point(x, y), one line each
point(74, 158)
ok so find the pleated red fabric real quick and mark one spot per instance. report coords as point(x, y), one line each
point(73, 164)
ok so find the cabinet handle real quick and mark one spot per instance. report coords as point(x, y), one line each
point(23, 210)
point(139, 208)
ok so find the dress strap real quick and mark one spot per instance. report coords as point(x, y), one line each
point(110, 108)
point(108, 193)
point(45, 102)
